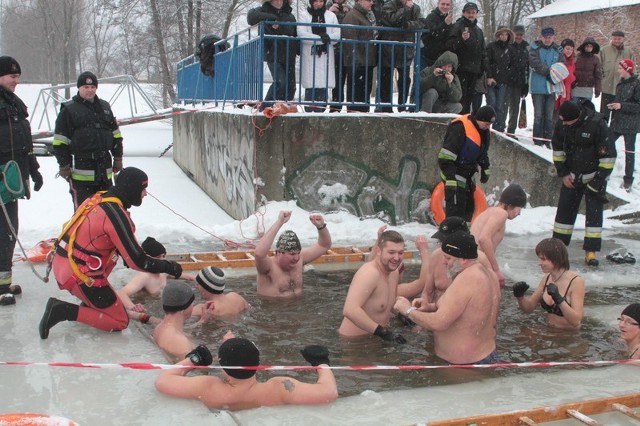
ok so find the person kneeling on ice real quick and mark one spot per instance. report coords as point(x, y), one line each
point(239, 389)
point(211, 285)
point(99, 230)
point(148, 282)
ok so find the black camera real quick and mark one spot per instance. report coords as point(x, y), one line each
point(442, 72)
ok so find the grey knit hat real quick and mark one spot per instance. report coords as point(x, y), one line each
point(177, 296)
point(211, 279)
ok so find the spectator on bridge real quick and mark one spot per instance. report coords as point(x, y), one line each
point(316, 56)
point(466, 40)
point(518, 79)
point(625, 120)
point(404, 15)
point(440, 90)
point(568, 47)
point(340, 8)
point(498, 69)
point(610, 56)
point(359, 56)
point(542, 54)
point(280, 55)
point(437, 25)
point(87, 142)
point(588, 71)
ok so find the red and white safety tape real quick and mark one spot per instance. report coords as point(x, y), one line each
point(149, 366)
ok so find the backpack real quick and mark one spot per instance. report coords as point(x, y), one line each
point(205, 51)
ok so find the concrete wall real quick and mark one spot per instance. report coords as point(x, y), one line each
point(366, 164)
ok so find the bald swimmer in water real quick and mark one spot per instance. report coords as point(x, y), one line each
point(281, 275)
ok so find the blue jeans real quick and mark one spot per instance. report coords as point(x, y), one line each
point(543, 118)
point(318, 95)
point(283, 87)
point(629, 155)
point(496, 98)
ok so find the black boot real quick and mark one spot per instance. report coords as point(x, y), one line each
point(7, 299)
point(56, 311)
point(7, 291)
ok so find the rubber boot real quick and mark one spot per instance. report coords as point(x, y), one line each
point(7, 299)
point(7, 291)
point(55, 312)
point(590, 258)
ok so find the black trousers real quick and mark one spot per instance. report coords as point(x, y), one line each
point(359, 81)
point(386, 87)
point(80, 190)
point(460, 203)
point(468, 85)
point(7, 241)
point(568, 206)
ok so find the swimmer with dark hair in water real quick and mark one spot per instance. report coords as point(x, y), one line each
point(629, 325)
point(560, 291)
point(281, 275)
point(239, 389)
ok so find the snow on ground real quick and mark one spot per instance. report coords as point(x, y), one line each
point(204, 224)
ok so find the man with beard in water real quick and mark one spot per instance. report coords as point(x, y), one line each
point(374, 287)
point(464, 324)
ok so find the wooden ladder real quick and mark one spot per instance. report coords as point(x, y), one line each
point(524, 420)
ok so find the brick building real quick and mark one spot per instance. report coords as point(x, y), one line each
point(578, 19)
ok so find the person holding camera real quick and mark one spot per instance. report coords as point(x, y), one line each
point(440, 90)
point(437, 25)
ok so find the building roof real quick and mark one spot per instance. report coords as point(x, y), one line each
point(565, 7)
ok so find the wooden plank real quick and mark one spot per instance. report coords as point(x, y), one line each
point(527, 421)
point(626, 411)
point(582, 418)
point(544, 414)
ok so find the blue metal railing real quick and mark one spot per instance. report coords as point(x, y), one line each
point(239, 75)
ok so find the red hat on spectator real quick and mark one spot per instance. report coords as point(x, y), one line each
point(627, 65)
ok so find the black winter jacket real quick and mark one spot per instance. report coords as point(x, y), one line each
point(276, 50)
point(627, 119)
point(436, 35)
point(471, 52)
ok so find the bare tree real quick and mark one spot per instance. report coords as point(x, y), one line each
point(167, 80)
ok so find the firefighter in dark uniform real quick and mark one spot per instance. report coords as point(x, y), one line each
point(86, 137)
point(584, 154)
point(15, 144)
point(465, 149)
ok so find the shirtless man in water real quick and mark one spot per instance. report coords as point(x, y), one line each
point(373, 290)
point(489, 226)
point(464, 324)
point(281, 275)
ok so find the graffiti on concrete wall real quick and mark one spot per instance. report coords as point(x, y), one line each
point(228, 162)
point(329, 182)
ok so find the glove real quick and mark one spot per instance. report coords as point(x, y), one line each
point(174, 269)
point(316, 354)
point(520, 288)
point(597, 191)
point(484, 175)
point(550, 80)
point(200, 356)
point(65, 172)
point(37, 180)
point(388, 335)
point(117, 165)
point(325, 38)
point(525, 90)
point(552, 290)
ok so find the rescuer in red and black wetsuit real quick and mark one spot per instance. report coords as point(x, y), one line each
point(100, 230)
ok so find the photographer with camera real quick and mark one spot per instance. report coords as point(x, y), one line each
point(440, 90)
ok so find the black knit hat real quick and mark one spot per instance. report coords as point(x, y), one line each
point(449, 226)
point(568, 111)
point(633, 311)
point(130, 183)
point(568, 42)
point(211, 279)
point(87, 78)
point(486, 114)
point(514, 195)
point(8, 65)
point(238, 352)
point(177, 296)
point(461, 245)
point(518, 29)
point(153, 247)
point(470, 5)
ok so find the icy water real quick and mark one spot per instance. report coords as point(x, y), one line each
point(280, 328)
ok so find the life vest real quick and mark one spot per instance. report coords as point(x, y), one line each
point(71, 228)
